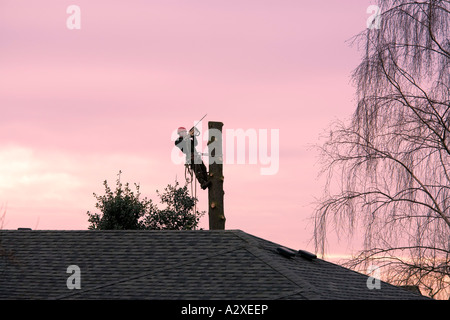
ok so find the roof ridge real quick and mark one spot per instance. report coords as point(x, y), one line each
point(255, 248)
point(143, 274)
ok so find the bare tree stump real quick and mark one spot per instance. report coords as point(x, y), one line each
point(215, 192)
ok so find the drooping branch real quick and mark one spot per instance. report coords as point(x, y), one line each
point(390, 164)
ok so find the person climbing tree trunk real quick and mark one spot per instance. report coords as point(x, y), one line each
point(187, 143)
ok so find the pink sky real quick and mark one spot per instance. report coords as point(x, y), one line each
point(77, 106)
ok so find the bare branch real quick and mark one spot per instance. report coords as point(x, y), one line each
point(389, 167)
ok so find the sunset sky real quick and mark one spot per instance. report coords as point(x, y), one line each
point(79, 105)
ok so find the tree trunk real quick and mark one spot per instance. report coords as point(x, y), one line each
point(215, 191)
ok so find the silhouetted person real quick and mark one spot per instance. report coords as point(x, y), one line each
point(187, 143)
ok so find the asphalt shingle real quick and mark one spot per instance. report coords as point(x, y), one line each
point(125, 264)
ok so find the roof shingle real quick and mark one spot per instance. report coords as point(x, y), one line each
point(126, 264)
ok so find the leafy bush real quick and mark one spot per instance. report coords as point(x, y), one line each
point(124, 210)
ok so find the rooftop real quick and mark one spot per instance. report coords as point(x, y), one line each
point(126, 264)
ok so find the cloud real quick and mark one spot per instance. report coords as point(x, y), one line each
point(53, 178)
point(25, 175)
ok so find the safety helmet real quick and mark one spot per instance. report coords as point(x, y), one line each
point(181, 129)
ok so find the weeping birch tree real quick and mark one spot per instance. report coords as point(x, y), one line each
point(388, 167)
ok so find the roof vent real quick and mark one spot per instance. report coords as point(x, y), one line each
point(22, 229)
point(307, 255)
point(285, 252)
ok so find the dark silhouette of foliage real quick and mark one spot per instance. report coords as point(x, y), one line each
point(124, 209)
point(178, 214)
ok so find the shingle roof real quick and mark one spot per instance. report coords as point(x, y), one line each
point(228, 264)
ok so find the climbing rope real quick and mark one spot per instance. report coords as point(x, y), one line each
point(192, 181)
